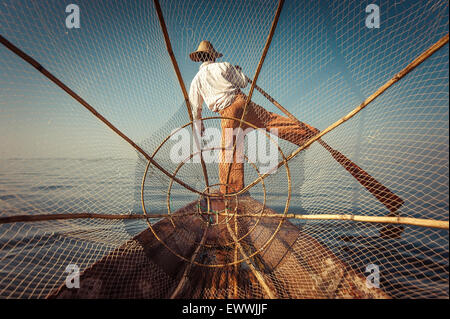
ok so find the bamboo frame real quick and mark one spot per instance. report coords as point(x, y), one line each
point(260, 214)
point(91, 109)
point(210, 195)
point(255, 78)
point(416, 62)
point(172, 56)
point(381, 192)
point(263, 247)
point(236, 256)
point(288, 174)
point(184, 277)
point(238, 246)
point(400, 220)
point(182, 86)
point(46, 217)
point(255, 272)
point(423, 222)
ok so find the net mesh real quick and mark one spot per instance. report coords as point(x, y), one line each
point(57, 159)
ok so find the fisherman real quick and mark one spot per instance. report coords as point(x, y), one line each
point(219, 84)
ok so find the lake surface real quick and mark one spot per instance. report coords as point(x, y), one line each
point(33, 256)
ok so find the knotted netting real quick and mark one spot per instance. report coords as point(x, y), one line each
point(360, 211)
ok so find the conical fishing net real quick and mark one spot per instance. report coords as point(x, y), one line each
point(92, 117)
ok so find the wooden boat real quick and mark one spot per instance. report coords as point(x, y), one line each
point(293, 265)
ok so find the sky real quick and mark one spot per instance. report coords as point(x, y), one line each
point(323, 61)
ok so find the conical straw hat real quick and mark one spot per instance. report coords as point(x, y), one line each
point(204, 47)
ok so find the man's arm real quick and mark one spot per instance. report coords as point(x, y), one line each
point(236, 76)
point(241, 76)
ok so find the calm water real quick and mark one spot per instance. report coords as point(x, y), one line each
point(113, 186)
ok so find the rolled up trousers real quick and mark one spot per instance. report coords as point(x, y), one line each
point(288, 129)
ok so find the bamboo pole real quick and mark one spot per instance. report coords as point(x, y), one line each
point(423, 222)
point(236, 266)
point(381, 192)
point(416, 62)
point(184, 277)
point(432, 223)
point(258, 70)
point(172, 56)
point(182, 86)
point(255, 78)
point(46, 217)
point(80, 100)
point(255, 272)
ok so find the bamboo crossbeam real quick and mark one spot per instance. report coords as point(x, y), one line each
point(47, 217)
point(416, 62)
point(423, 222)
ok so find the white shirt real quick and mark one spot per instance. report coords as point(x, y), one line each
point(216, 84)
